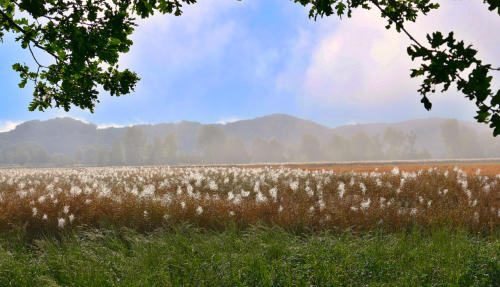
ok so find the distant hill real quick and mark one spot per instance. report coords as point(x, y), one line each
point(66, 135)
point(61, 135)
point(285, 128)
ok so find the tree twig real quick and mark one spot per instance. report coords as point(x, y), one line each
point(36, 60)
point(400, 25)
point(37, 44)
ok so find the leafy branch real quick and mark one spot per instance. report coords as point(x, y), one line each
point(85, 38)
point(445, 61)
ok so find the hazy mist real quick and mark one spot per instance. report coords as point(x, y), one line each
point(270, 139)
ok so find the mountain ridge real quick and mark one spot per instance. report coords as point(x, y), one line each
point(65, 134)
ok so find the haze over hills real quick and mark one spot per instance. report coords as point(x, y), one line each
point(67, 134)
point(249, 140)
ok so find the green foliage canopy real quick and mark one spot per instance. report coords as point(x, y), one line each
point(86, 37)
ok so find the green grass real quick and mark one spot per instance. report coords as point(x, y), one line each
point(259, 256)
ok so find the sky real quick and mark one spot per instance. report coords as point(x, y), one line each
point(225, 60)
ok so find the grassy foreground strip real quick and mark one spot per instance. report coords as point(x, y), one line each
point(258, 256)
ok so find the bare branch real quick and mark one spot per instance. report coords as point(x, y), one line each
point(36, 60)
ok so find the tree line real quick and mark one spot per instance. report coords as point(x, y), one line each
point(213, 146)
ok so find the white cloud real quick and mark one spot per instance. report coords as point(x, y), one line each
point(357, 62)
point(136, 121)
point(107, 126)
point(6, 126)
point(62, 116)
point(176, 41)
point(360, 63)
point(299, 51)
point(228, 120)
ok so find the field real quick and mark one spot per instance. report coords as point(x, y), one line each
point(145, 198)
point(484, 168)
point(252, 226)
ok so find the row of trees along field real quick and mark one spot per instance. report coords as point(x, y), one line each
point(214, 146)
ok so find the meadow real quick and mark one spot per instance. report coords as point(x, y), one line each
point(145, 198)
point(253, 226)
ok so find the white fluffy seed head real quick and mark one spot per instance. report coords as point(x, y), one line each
point(341, 189)
point(309, 191)
point(363, 187)
point(199, 210)
point(321, 204)
point(365, 203)
point(212, 186)
point(413, 212)
point(61, 222)
point(273, 192)
point(42, 198)
point(260, 198)
point(395, 171)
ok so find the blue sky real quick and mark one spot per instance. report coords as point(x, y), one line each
point(225, 60)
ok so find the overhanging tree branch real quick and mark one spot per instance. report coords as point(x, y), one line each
point(20, 29)
point(36, 60)
point(398, 23)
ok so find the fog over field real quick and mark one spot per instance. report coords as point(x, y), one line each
point(272, 138)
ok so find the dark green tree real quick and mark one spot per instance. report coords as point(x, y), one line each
point(86, 37)
point(169, 147)
point(211, 141)
point(134, 146)
point(233, 151)
point(364, 147)
point(162, 150)
point(310, 149)
point(271, 150)
point(338, 148)
point(116, 156)
point(460, 141)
